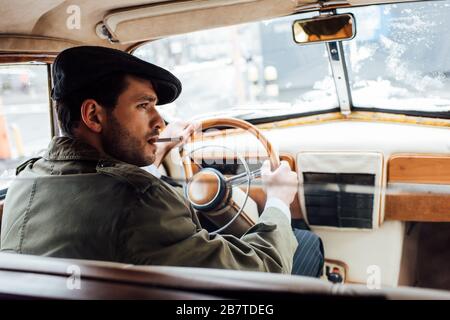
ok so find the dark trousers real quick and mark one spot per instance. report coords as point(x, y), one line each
point(309, 256)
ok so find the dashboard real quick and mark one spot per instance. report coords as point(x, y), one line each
point(360, 182)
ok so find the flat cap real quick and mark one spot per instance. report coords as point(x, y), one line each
point(78, 67)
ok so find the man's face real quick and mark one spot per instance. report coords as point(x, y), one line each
point(133, 125)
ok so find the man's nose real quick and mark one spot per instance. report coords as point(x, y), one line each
point(157, 122)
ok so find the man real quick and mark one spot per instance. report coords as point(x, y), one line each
point(88, 198)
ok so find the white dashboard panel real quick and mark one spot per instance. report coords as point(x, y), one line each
point(387, 138)
point(343, 162)
point(369, 255)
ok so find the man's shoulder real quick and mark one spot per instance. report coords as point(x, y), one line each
point(136, 177)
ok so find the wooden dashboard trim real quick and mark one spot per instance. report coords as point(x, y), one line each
point(413, 207)
point(46, 58)
point(418, 169)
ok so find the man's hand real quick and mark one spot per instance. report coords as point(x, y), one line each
point(175, 129)
point(281, 183)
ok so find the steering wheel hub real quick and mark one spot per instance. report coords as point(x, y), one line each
point(206, 190)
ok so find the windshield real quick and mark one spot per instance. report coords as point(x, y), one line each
point(247, 71)
point(397, 61)
point(400, 57)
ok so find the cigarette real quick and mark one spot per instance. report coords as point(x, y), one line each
point(169, 139)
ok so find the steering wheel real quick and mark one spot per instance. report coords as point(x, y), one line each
point(208, 190)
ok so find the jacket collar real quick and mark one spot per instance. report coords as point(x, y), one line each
point(65, 148)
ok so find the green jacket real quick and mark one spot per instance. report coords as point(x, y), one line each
point(74, 203)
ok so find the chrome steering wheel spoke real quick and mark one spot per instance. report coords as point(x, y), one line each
point(243, 178)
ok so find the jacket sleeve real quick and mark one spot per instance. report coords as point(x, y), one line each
point(159, 230)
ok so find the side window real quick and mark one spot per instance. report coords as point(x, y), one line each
point(24, 116)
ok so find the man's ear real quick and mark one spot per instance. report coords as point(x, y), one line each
point(93, 115)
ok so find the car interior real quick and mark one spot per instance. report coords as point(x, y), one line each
point(361, 113)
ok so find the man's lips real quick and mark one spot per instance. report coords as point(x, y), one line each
point(153, 139)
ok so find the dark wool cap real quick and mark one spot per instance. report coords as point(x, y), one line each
point(78, 67)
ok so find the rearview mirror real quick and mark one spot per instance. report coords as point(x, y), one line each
point(324, 29)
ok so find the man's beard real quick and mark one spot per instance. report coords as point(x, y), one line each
point(120, 144)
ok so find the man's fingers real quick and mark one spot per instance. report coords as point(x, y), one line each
point(188, 130)
point(182, 123)
point(197, 126)
point(185, 129)
point(284, 163)
point(285, 167)
point(265, 168)
point(186, 133)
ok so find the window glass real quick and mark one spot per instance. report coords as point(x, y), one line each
point(24, 116)
point(246, 71)
point(399, 58)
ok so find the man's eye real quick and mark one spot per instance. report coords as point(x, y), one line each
point(143, 105)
